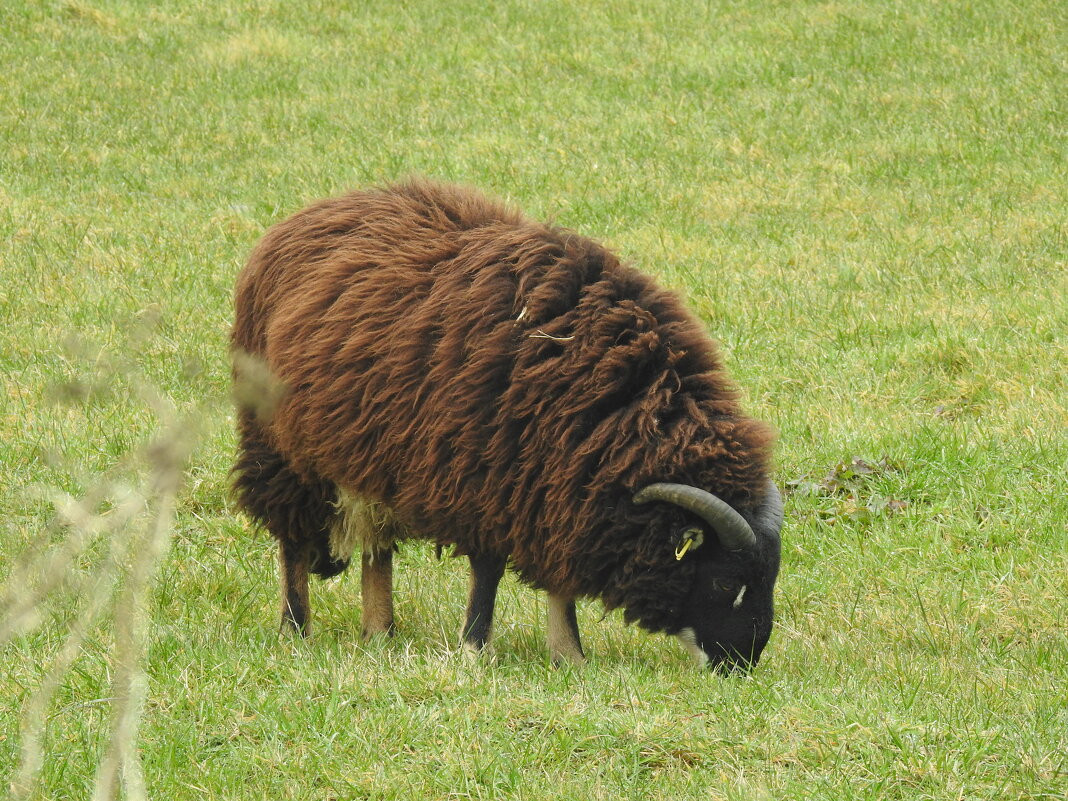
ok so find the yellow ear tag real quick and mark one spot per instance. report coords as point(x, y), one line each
point(693, 538)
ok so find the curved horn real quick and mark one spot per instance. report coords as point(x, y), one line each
point(734, 533)
point(770, 513)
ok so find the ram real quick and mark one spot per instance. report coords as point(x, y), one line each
point(453, 371)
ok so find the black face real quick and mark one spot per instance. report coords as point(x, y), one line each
point(728, 616)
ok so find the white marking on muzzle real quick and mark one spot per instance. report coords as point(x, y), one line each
point(738, 600)
point(688, 638)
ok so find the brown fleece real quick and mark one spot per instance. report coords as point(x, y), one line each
point(504, 386)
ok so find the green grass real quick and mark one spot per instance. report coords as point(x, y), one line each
point(867, 203)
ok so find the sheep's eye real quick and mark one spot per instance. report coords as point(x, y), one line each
point(734, 590)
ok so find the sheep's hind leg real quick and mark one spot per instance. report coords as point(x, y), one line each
point(294, 508)
point(293, 559)
point(564, 642)
point(376, 589)
point(486, 572)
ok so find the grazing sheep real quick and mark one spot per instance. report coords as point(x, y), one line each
point(453, 371)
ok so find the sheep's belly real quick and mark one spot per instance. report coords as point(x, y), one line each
point(367, 525)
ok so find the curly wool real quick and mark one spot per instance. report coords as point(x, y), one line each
point(502, 385)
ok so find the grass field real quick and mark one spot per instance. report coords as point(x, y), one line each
point(867, 202)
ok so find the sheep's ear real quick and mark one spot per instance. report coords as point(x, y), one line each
point(732, 530)
point(690, 540)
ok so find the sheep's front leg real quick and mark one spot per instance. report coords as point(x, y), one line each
point(376, 590)
point(486, 572)
point(293, 561)
point(563, 634)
